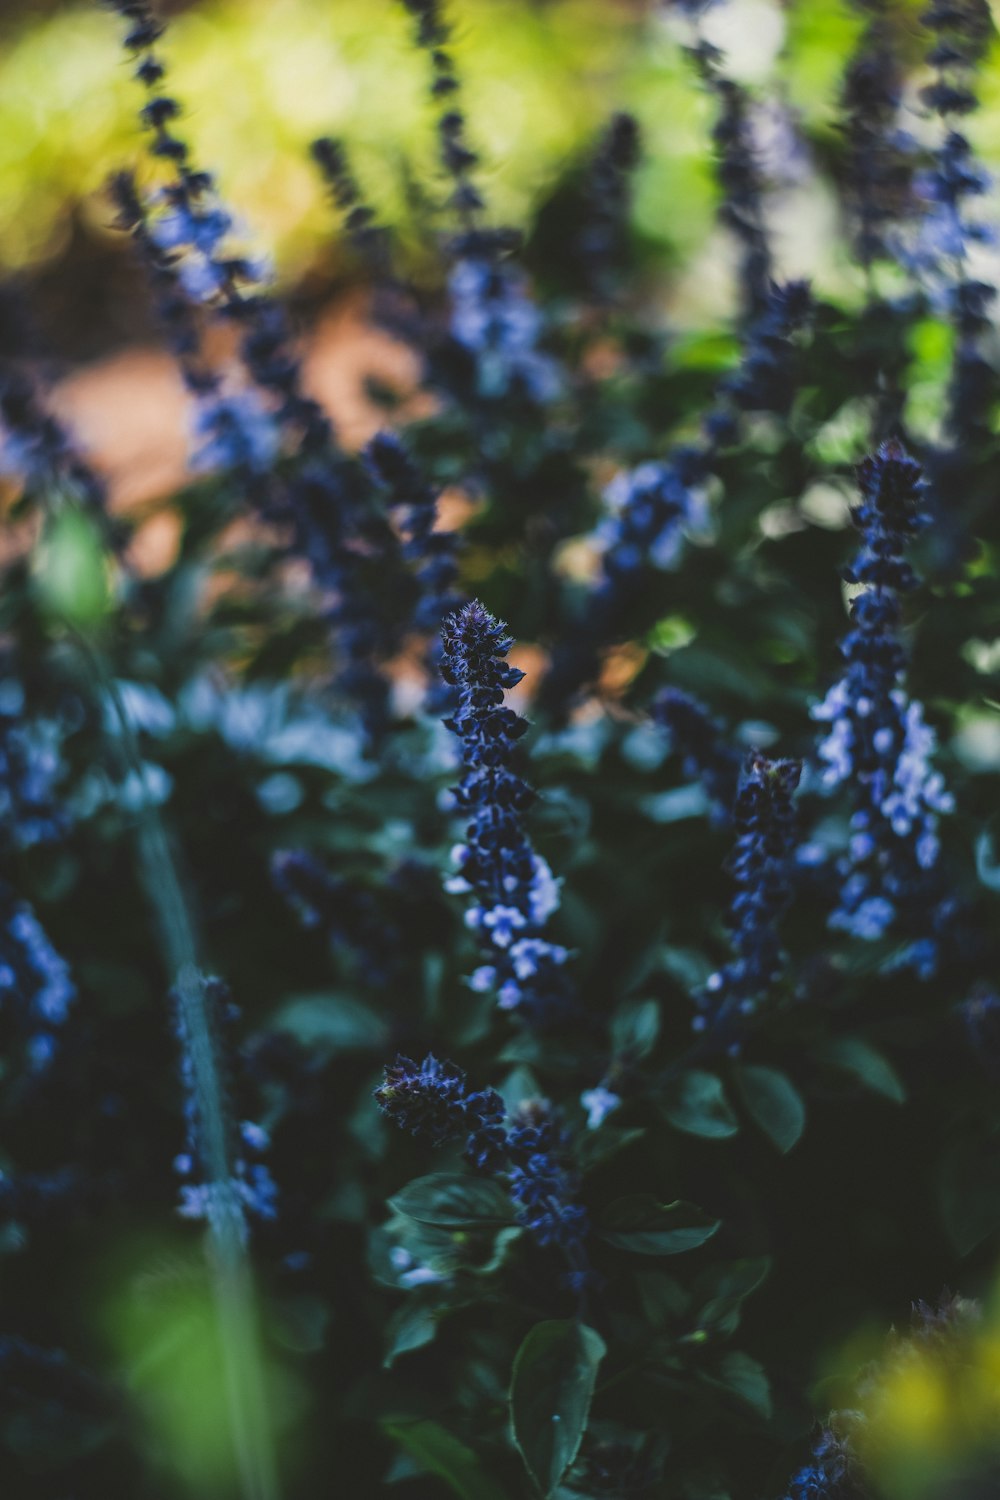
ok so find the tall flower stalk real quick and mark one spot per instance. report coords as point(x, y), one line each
point(513, 888)
point(186, 237)
point(529, 1152)
point(223, 1194)
point(764, 820)
point(877, 743)
point(51, 467)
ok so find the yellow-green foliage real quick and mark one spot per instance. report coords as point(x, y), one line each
point(261, 78)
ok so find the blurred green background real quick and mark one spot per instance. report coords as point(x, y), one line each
point(261, 78)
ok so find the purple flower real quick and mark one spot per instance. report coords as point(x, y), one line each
point(514, 890)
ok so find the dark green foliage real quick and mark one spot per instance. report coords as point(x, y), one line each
point(608, 1235)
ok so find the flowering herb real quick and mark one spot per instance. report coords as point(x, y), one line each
point(879, 164)
point(36, 448)
point(707, 755)
point(654, 507)
point(36, 987)
point(514, 890)
point(607, 198)
point(323, 500)
point(430, 551)
point(764, 821)
point(614, 1175)
point(250, 1189)
point(362, 230)
point(741, 177)
point(878, 743)
point(432, 1102)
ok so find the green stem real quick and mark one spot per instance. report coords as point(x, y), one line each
point(232, 1282)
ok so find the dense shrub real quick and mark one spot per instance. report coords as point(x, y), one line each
point(440, 1066)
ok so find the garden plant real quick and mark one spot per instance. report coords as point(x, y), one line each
point(500, 935)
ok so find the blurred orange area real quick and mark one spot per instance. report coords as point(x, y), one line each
point(621, 666)
point(130, 413)
point(533, 662)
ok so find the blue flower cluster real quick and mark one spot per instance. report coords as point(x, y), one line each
point(654, 506)
point(431, 552)
point(764, 819)
point(324, 501)
point(36, 987)
point(879, 168)
point(344, 911)
point(741, 177)
point(962, 32)
point(834, 1473)
point(543, 1183)
point(495, 320)
point(31, 811)
point(251, 1188)
point(431, 1101)
point(515, 891)
point(707, 755)
point(878, 742)
point(35, 448)
point(607, 192)
point(949, 234)
point(359, 218)
point(459, 160)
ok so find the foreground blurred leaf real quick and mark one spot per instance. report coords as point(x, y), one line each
point(550, 1394)
point(438, 1452)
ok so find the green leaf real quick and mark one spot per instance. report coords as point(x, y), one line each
point(438, 1452)
point(640, 1224)
point(725, 1289)
point(860, 1059)
point(969, 1191)
point(300, 1323)
point(71, 569)
point(550, 1393)
point(328, 1023)
point(747, 1377)
point(448, 1200)
point(519, 1086)
point(635, 1027)
point(675, 805)
point(987, 864)
point(696, 1102)
point(411, 1326)
point(774, 1102)
point(598, 1146)
point(663, 1300)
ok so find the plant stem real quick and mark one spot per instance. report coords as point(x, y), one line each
point(232, 1282)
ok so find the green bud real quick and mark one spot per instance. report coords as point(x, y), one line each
point(71, 570)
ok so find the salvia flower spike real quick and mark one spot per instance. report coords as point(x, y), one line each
point(514, 892)
point(761, 866)
point(878, 743)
